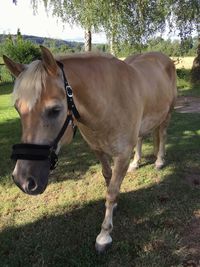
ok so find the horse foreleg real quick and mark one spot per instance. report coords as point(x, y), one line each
point(106, 168)
point(137, 157)
point(120, 168)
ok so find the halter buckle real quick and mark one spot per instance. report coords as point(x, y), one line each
point(69, 91)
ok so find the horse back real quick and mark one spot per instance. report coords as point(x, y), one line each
point(155, 70)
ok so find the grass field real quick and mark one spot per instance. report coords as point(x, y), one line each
point(59, 227)
point(183, 62)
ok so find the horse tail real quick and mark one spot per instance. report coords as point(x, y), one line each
point(171, 72)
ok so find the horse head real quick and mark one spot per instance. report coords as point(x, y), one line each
point(40, 99)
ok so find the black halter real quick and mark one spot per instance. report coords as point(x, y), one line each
point(28, 151)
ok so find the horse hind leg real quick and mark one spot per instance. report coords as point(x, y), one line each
point(156, 141)
point(104, 239)
point(137, 156)
point(160, 136)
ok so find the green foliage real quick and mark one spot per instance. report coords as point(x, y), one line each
point(129, 21)
point(101, 47)
point(5, 75)
point(83, 13)
point(184, 84)
point(20, 50)
point(184, 16)
point(195, 73)
point(172, 48)
point(58, 49)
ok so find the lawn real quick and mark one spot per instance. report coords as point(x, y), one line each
point(59, 227)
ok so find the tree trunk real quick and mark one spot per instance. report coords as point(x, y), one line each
point(195, 73)
point(88, 40)
point(112, 45)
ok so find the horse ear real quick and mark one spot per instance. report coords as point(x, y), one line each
point(14, 68)
point(48, 61)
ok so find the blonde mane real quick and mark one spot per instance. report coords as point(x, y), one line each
point(29, 84)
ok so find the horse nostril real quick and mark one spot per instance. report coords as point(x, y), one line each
point(31, 184)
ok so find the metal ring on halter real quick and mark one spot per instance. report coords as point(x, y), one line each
point(69, 91)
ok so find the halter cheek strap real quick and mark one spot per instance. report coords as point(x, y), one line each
point(26, 151)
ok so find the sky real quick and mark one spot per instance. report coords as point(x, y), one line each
point(21, 16)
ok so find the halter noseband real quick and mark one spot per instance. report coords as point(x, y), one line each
point(28, 151)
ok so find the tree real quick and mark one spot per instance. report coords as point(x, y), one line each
point(195, 72)
point(186, 19)
point(126, 20)
point(84, 13)
point(184, 16)
point(120, 20)
point(133, 21)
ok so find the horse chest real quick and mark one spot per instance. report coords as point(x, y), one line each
point(106, 141)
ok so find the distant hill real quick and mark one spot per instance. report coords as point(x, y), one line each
point(43, 40)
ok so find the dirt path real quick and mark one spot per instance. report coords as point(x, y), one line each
point(188, 104)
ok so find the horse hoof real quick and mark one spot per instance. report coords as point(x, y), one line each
point(103, 242)
point(102, 248)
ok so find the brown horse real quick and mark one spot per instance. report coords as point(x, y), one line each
point(118, 103)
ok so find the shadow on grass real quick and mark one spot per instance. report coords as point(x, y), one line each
point(147, 232)
point(9, 135)
point(6, 89)
point(148, 224)
point(74, 160)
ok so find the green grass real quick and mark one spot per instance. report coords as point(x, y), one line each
point(183, 83)
point(59, 227)
point(5, 76)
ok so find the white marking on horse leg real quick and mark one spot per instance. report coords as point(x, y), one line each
point(137, 157)
point(120, 167)
point(104, 239)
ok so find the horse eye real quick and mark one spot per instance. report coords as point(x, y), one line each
point(53, 112)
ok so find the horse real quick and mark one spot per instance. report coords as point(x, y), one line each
point(113, 103)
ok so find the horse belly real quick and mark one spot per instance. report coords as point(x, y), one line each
point(152, 121)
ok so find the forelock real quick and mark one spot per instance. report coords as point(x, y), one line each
point(29, 84)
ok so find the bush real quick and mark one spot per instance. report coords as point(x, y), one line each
point(23, 51)
point(195, 73)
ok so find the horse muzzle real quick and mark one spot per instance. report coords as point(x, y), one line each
point(31, 176)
